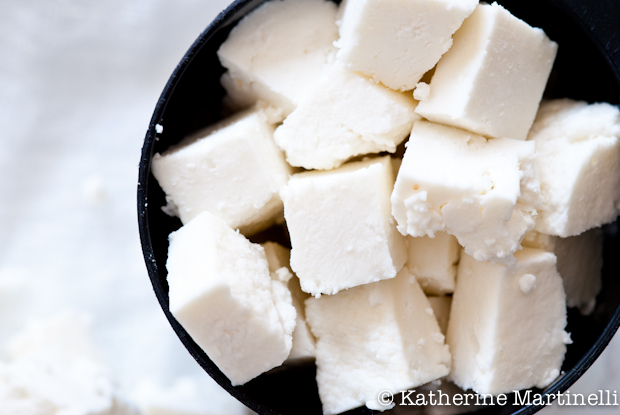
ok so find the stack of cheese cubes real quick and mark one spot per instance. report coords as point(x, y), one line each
point(457, 261)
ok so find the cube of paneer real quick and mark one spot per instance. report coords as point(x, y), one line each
point(372, 338)
point(234, 170)
point(278, 51)
point(278, 258)
point(580, 260)
point(395, 42)
point(484, 192)
point(342, 233)
point(222, 294)
point(506, 328)
point(345, 115)
point(433, 261)
point(493, 77)
point(578, 163)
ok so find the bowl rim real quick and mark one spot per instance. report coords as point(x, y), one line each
point(575, 9)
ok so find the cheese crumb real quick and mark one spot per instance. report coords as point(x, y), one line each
point(422, 91)
point(527, 283)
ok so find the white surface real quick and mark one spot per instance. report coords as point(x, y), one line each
point(79, 83)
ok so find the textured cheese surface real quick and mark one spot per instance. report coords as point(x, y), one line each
point(336, 244)
point(234, 171)
point(222, 294)
point(433, 261)
point(578, 163)
point(580, 261)
point(279, 50)
point(441, 309)
point(345, 115)
point(278, 258)
point(383, 338)
point(506, 329)
point(484, 192)
point(492, 79)
point(395, 42)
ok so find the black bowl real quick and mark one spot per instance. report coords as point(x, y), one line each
point(587, 68)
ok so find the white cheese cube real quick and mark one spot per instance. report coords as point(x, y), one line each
point(372, 338)
point(580, 260)
point(221, 292)
point(395, 42)
point(278, 258)
point(506, 329)
point(484, 192)
point(340, 225)
point(433, 261)
point(492, 79)
point(234, 171)
point(441, 309)
point(345, 115)
point(578, 164)
point(278, 51)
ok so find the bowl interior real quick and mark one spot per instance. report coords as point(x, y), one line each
point(191, 100)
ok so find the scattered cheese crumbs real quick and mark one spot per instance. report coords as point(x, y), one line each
point(492, 79)
point(55, 369)
point(219, 280)
point(527, 283)
point(396, 42)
